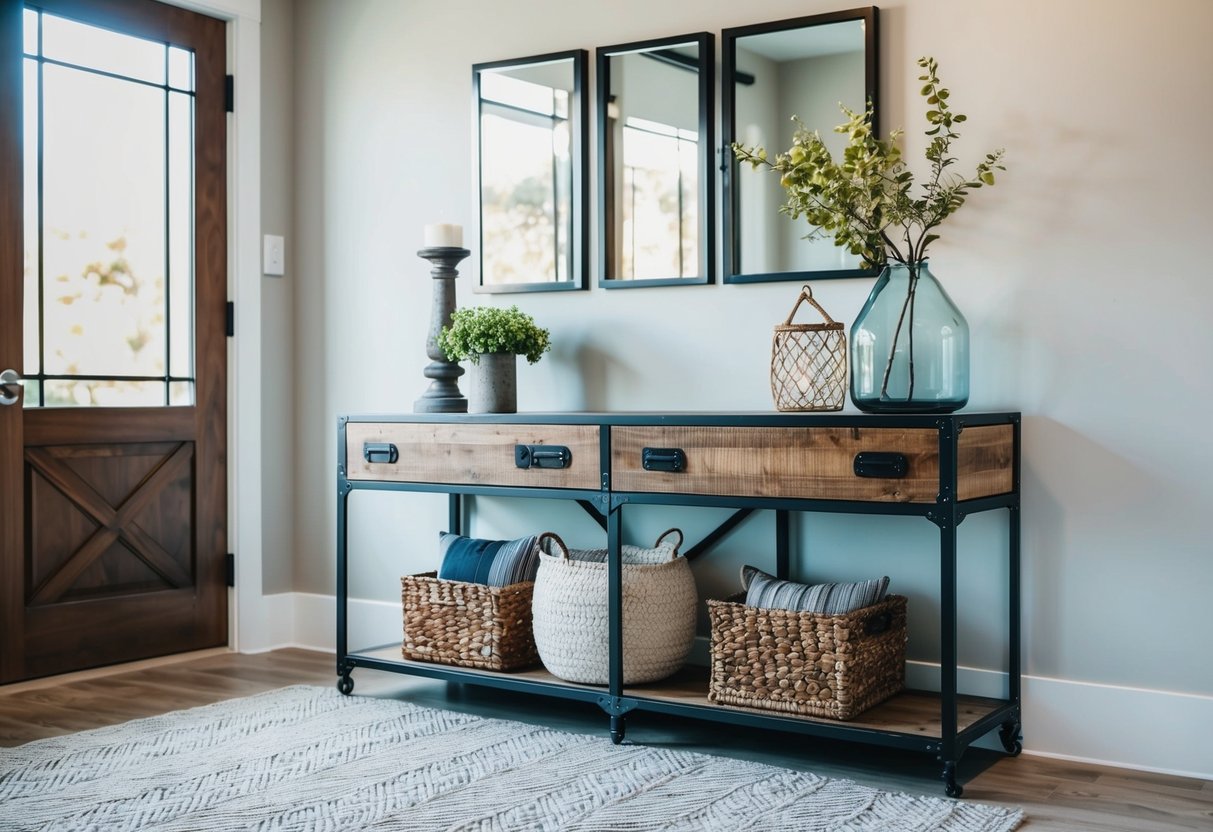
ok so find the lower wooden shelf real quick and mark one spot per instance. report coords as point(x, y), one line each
point(916, 713)
point(910, 713)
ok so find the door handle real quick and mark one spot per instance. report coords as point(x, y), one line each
point(10, 387)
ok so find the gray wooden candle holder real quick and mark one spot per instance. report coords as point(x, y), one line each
point(443, 395)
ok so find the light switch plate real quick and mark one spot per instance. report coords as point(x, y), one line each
point(274, 255)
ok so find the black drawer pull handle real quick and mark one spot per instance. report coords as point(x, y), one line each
point(881, 465)
point(380, 452)
point(663, 459)
point(542, 456)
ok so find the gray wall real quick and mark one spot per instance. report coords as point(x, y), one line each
point(1084, 310)
point(278, 297)
point(759, 123)
point(810, 88)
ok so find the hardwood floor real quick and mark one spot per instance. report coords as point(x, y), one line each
point(1057, 796)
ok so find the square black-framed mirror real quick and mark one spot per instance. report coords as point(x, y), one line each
point(655, 169)
point(802, 67)
point(532, 131)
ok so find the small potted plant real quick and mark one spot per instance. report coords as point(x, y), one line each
point(492, 338)
point(909, 344)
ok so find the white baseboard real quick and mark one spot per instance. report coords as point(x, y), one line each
point(276, 629)
point(1137, 728)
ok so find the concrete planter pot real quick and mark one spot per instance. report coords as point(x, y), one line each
point(495, 384)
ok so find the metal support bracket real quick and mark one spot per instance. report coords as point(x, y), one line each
point(939, 518)
point(713, 537)
point(616, 705)
point(590, 508)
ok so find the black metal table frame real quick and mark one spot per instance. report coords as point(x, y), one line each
point(606, 506)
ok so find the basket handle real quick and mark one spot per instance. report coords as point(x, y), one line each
point(807, 294)
point(877, 624)
point(666, 534)
point(562, 550)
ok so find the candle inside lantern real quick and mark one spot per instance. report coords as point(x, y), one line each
point(443, 235)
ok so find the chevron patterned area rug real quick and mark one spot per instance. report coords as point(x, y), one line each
point(305, 758)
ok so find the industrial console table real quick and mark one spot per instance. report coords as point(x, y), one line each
point(939, 467)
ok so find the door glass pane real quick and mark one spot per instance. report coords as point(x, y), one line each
point(109, 218)
point(104, 217)
point(180, 68)
point(181, 393)
point(32, 363)
point(84, 45)
point(108, 393)
point(181, 235)
point(30, 31)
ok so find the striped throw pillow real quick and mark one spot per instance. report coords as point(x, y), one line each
point(490, 562)
point(768, 592)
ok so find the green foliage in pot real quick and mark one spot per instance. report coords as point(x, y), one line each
point(479, 330)
point(864, 200)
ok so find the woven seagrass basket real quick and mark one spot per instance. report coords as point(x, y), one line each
point(808, 362)
point(470, 625)
point(572, 615)
point(832, 666)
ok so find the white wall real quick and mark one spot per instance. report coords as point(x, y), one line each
point(1080, 275)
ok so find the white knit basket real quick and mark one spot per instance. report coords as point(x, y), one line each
point(570, 611)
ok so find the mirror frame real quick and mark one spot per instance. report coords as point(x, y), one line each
point(729, 165)
point(707, 147)
point(580, 168)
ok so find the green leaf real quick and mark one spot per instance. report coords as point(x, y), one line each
point(854, 196)
point(988, 178)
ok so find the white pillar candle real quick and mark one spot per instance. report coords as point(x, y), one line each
point(443, 235)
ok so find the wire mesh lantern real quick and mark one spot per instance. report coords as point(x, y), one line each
point(808, 362)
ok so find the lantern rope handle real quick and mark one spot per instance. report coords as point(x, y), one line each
point(807, 294)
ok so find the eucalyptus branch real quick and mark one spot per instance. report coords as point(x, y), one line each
point(892, 248)
point(860, 198)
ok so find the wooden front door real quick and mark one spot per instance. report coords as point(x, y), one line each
point(112, 317)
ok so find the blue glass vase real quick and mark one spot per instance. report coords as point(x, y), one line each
point(909, 346)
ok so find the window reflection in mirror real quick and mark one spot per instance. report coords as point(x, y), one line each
point(654, 145)
point(531, 137)
point(804, 68)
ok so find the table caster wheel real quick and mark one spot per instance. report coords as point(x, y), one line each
point(346, 685)
point(951, 787)
point(1011, 741)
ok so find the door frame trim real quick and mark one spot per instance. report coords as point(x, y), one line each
point(250, 627)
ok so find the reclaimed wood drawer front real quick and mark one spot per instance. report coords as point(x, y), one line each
point(808, 462)
point(460, 454)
